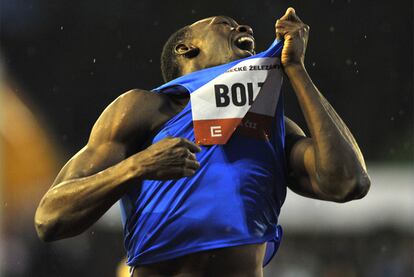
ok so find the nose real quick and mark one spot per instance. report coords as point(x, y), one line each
point(245, 29)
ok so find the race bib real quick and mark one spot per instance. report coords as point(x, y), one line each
point(244, 96)
point(240, 95)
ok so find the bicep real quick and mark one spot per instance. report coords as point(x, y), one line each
point(120, 123)
point(90, 160)
point(300, 157)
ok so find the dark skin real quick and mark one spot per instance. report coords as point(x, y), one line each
point(328, 165)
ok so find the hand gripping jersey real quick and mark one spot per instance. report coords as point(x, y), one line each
point(236, 113)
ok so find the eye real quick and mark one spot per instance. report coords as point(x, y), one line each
point(224, 23)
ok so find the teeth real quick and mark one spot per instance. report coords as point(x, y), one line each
point(243, 39)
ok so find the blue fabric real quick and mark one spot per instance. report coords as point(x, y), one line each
point(233, 199)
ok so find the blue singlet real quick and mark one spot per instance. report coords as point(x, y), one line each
point(233, 199)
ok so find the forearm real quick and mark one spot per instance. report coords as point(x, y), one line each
point(335, 151)
point(73, 205)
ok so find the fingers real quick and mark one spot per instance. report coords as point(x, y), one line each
point(191, 156)
point(189, 169)
point(288, 26)
point(191, 164)
point(284, 27)
point(187, 150)
point(190, 145)
point(188, 172)
point(288, 23)
point(290, 15)
point(281, 29)
point(174, 158)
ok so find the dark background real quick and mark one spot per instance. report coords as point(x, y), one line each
point(69, 59)
point(73, 58)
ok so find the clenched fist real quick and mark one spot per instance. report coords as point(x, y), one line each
point(170, 158)
point(295, 34)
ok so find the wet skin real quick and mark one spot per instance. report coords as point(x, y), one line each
point(327, 165)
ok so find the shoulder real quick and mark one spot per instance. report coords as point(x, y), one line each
point(130, 116)
point(138, 103)
point(137, 98)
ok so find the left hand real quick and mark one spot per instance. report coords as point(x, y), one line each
point(295, 34)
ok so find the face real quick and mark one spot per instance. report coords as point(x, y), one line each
point(218, 40)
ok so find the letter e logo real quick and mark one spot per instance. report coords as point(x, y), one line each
point(215, 131)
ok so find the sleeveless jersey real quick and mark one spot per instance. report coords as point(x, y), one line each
point(233, 199)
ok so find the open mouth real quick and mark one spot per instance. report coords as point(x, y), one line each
point(245, 42)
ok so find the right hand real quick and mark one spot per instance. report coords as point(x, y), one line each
point(170, 158)
point(295, 34)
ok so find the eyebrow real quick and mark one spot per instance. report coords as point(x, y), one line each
point(230, 19)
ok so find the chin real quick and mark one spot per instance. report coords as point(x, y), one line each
point(242, 54)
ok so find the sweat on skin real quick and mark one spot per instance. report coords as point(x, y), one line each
point(327, 165)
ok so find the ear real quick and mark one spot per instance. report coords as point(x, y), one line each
point(186, 50)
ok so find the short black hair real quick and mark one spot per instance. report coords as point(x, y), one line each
point(169, 65)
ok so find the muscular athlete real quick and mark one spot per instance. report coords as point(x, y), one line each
point(327, 165)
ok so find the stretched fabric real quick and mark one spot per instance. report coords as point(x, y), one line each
point(221, 96)
point(235, 197)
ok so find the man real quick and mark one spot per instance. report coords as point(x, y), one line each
point(130, 155)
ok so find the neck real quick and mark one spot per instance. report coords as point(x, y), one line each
point(191, 67)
